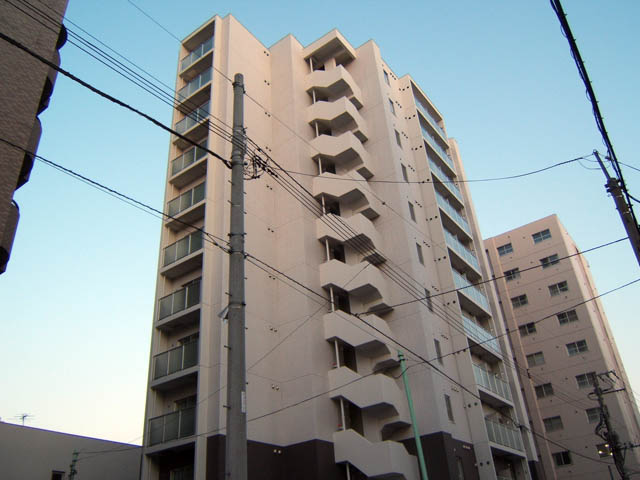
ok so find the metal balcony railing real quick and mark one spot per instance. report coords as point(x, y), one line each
point(504, 434)
point(189, 157)
point(183, 247)
point(194, 85)
point(172, 426)
point(480, 335)
point(446, 180)
point(439, 150)
point(461, 250)
point(470, 290)
point(430, 119)
point(175, 360)
point(452, 212)
point(193, 118)
point(491, 382)
point(186, 200)
point(180, 300)
point(196, 53)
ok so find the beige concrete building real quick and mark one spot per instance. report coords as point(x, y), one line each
point(395, 240)
point(562, 341)
point(25, 89)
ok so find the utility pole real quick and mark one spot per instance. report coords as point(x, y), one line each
point(613, 187)
point(609, 434)
point(236, 441)
point(72, 467)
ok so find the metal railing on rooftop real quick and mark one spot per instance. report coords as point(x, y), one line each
point(196, 53)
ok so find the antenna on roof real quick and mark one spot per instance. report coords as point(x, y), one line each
point(23, 417)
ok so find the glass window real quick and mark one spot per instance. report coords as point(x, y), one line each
point(527, 329)
point(575, 348)
point(558, 288)
point(593, 415)
point(398, 140)
point(541, 236)
point(438, 351)
point(512, 274)
point(550, 260)
point(562, 458)
point(566, 317)
point(505, 249)
point(544, 390)
point(427, 295)
point(447, 402)
point(535, 359)
point(393, 109)
point(420, 257)
point(586, 380)
point(412, 211)
point(386, 77)
point(519, 301)
point(553, 424)
point(404, 173)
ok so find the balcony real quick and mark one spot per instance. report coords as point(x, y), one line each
point(504, 435)
point(189, 166)
point(446, 182)
point(385, 459)
point(182, 307)
point(180, 257)
point(365, 336)
point(454, 218)
point(330, 45)
point(481, 337)
point(193, 126)
point(362, 280)
point(172, 426)
point(471, 292)
point(350, 194)
point(340, 114)
point(356, 231)
point(186, 208)
point(333, 83)
point(461, 251)
point(196, 54)
point(176, 367)
point(193, 93)
point(432, 121)
point(437, 149)
point(494, 384)
point(344, 150)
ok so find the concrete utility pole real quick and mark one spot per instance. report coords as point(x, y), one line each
point(610, 435)
point(236, 441)
point(613, 187)
point(72, 467)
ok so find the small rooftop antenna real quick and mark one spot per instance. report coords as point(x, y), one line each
point(23, 417)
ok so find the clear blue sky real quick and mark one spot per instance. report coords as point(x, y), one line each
point(78, 294)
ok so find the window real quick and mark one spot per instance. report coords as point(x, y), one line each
point(420, 257)
point(550, 260)
point(393, 109)
point(412, 211)
point(427, 295)
point(512, 274)
point(183, 473)
point(541, 236)
point(519, 301)
point(586, 379)
point(574, 348)
point(552, 424)
point(527, 329)
point(404, 173)
point(535, 359)
point(438, 351)
point(398, 140)
point(566, 317)
point(460, 468)
point(504, 249)
point(57, 475)
point(544, 390)
point(386, 77)
point(593, 415)
point(562, 458)
point(558, 288)
point(604, 450)
point(447, 402)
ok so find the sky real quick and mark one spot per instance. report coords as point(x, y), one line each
point(79, 290)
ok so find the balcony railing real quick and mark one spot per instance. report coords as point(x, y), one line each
point(180, 300)
point(439, 150)
point(176, 359)
point(461, 250)
point(183, 247)
point(186, 200)
point(504, 434)
point(470, 290)
point(194, 85)
point(445, 179)
point(193, 118)
point(196, 53)
point(172, 426)
point(452, 212)
point(480, 335)
point(491, 382)
point(188, 158)
point(430, 119)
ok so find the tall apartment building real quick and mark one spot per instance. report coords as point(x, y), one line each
point(25, 89)
point(325, 398)
point(563, 341)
